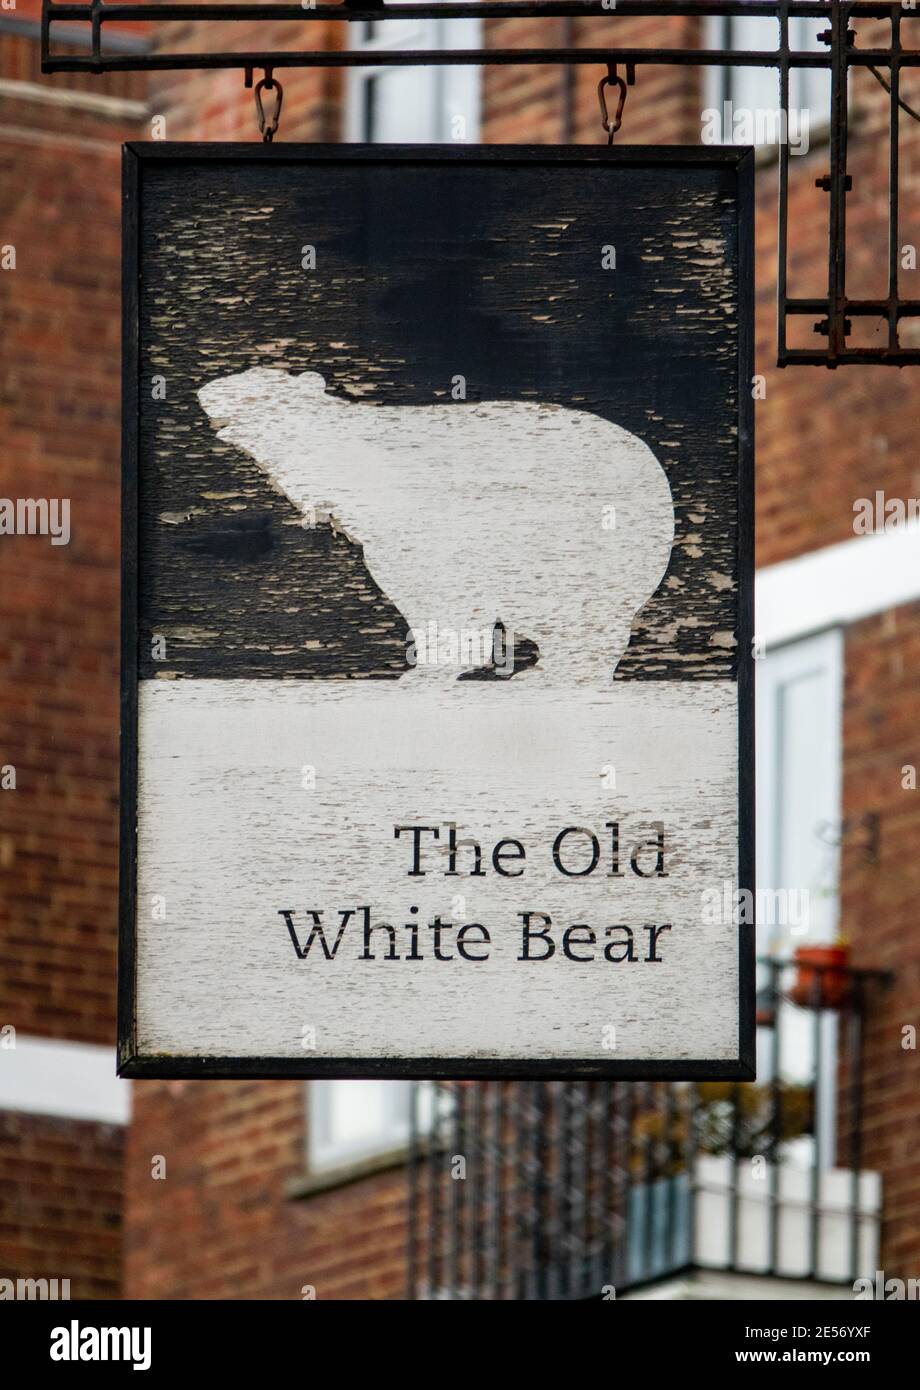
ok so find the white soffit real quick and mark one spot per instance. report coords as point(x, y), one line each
point(837, 585)
point(49, 1076)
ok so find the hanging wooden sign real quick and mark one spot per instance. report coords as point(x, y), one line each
point(437, 694)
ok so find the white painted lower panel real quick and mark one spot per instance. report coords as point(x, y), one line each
point(222, 764)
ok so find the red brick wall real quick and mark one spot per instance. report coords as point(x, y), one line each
point(60, 1202)
point(879, 907)
point(60, 1180)
point(220, 1225)
point(525, 105)
point(60, 424)
point(216, 105)
point(825, 438)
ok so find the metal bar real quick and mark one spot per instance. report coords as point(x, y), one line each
point(859, 357)
point(45, 33)
point(96, 29)
point(477, 1194)
point(582, 1178)
point(476, 57)
point(568, 84)
point(776, 1117)
point(495, 1224)
point(627, 1096)
point(541, 1187)
point(562, 1237)
point(726, 31)
point(836, 278)
point(870, 308)
point(118, 41)
point(691, 1156)
point(782, 255)
point(608, 1201)
point(670, 1174)
point(894, 112)
point(476, 9)
point(598, 1214)
point(517, 1192)
point(734, 1200)
point(506, 1243)
point(558, 1187)
point(574, 1241)
point(457, 1184)
point(856, 1117)
point(435, 1214)
point(453, 57)
point(528, 1203)
point(412, 1194)
point(648, 1178)
point(814, 1204)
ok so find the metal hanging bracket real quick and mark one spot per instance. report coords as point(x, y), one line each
point(268, 125)
point(622, 85)
point(80, 28)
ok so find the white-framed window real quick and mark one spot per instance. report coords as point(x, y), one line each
point(799, 773)
point(747, 99)
point(392, 105)
point(351, 1121)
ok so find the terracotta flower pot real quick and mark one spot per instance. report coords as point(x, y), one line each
point(821, 977)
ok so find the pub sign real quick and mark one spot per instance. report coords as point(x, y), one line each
point(437, 585)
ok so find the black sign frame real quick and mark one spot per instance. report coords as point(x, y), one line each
point(138, 157)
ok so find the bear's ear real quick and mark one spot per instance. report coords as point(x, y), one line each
point(311, 384)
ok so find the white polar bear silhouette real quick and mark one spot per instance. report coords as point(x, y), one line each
point(549, 520)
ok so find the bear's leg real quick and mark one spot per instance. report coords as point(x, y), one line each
point(566, 655)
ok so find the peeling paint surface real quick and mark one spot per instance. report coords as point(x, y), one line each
point(448, 417)
point(451, 278)
point(220, 976)
point(567, 565)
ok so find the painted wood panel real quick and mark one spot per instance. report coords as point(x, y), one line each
point(437, 524)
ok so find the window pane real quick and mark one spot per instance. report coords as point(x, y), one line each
point(357, 1112)
point(356, 1119)
point(756, 90)
point(810, 89)
point(798, 822)
point(808, 779)
point(414, 104)
point(798, 782)
point(397, 106)
point(752, 90)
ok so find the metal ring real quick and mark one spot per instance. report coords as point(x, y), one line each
point(611, 80)
point(267, 127)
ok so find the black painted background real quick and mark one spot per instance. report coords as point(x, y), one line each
point(423, 273)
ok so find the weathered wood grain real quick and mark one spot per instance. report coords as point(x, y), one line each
point(459, 548)
point(490, 273)
point(484, 430)
point(229, 836)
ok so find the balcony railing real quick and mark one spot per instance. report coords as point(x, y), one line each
point(555, 1191)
